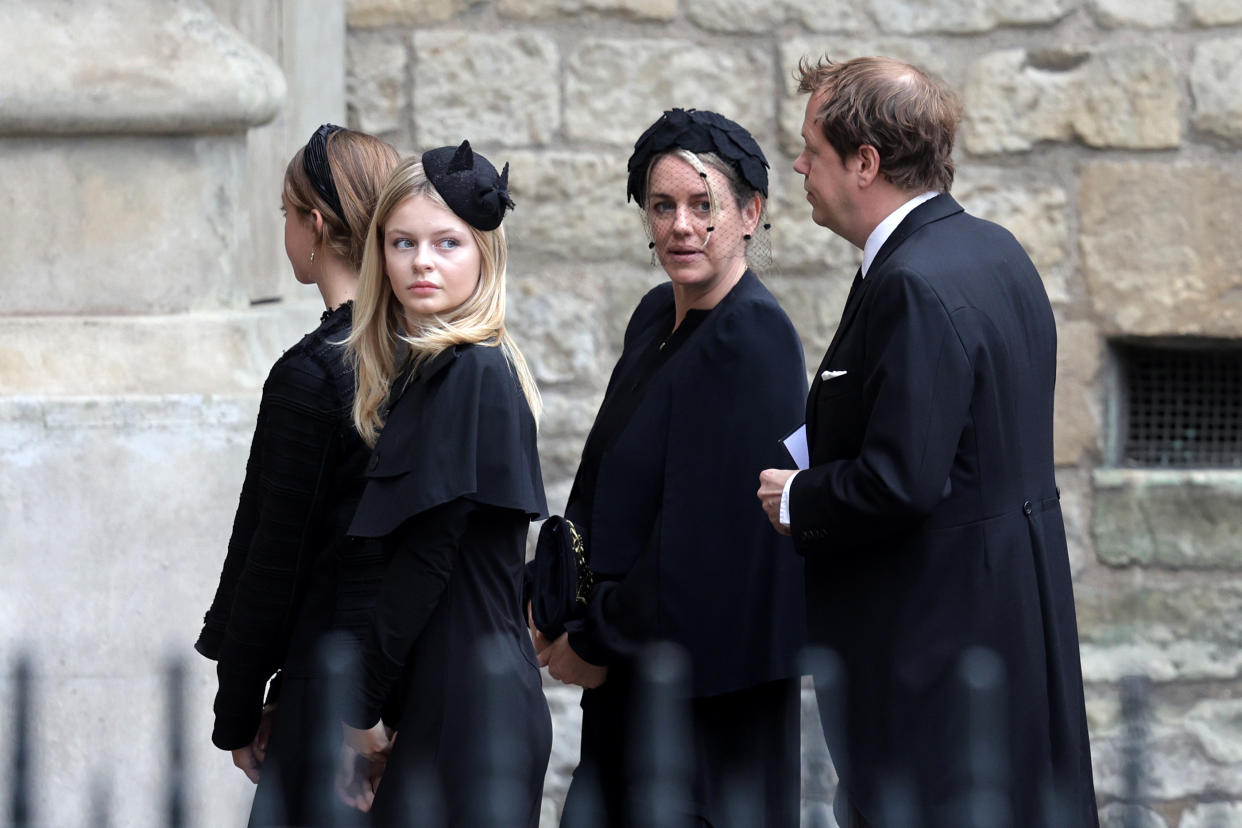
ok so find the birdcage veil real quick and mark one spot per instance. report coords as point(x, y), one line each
point(700, 181)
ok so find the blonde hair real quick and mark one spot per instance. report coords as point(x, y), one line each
point(378, 320)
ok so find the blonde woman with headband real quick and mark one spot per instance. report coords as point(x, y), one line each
point(303, 480)
point(447, 401)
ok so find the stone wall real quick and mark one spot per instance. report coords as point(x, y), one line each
point(146, 294)
point(1103, 133)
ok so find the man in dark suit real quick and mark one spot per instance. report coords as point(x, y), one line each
point(929, 517)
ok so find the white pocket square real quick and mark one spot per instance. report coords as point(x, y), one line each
point(827, 375)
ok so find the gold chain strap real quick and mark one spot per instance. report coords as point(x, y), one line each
point(586, 578)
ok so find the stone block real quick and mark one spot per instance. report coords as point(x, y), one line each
point(87, 751)
point(1151, 14)
point(121, 224)
point(638, 10)
point(1215, 77)
point(799, 245)
point(124, 507)
point(495, 89)
point(1036, 214)
point(1168, 518)
point(1178, 763)
point(964, 16)
point(742, 16)
point(1130, 815)
point(1212, 815)
point(130, 66)
point(378, 13)
point(1215, 12)
point(1177, 629)
point(377, 72)
point(202, 354)
point(1076, 497)
point(1076, 438)
point(1160, 249)
point(793, 103)
point(814, 304)
point(1124, 97)
point(572, 205)
point(615, 89)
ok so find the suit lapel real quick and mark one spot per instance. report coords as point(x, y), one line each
point(931, 210)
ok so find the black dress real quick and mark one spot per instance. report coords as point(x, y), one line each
point(446, 657)
point(665, 495)
point(277, 589)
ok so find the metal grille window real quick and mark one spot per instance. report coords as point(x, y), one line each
point(1182, 405)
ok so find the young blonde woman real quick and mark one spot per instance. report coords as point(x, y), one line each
point(303, 480)
point(447, 401)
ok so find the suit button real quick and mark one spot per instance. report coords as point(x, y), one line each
point(373, 462)
point(1027, 508)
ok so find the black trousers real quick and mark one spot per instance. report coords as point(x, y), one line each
point(745, 756)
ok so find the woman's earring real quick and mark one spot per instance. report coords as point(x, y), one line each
point(312, 257)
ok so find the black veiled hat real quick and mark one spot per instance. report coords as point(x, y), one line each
point(469, 184)
point(697, 131)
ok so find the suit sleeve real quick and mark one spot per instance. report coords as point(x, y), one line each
point(916, 393)
point(299, 429)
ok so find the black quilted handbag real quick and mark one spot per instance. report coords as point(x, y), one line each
point(562, 576)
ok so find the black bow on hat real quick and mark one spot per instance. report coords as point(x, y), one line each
point(469, 185)
point(697, 131)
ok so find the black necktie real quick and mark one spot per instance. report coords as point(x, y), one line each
point(858, 277)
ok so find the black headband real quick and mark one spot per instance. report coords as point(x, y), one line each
point(319, 171)
point(469, 185)
point(697, 131)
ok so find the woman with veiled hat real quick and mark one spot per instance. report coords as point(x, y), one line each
point(449, 406)
point(710, 378)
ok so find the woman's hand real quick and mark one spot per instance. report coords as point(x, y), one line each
point(250, 758)
point(565, 665)
point(364, 756)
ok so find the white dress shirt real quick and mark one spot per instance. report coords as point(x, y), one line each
point(874, 242)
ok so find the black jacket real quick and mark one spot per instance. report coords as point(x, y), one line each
point(674, 525)
point(931, 523)
point(303, 480)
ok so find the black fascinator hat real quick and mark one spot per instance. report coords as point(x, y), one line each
point(697, 131)
point(469, 185)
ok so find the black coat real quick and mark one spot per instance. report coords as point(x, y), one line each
point(452, 486)
point(674, 525)
point(303, 481)
point(931, 523)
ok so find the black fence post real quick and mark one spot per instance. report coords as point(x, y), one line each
point(175, 674)
point(21, 812)
point(101, 800)
point(983, 678)
point(1135, 691)
point(503, 764)
point(661, 740)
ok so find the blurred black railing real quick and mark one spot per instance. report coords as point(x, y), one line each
point(662, 747)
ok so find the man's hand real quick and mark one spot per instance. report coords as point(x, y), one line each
point(771, 485)
point(565, 665)
point(250, 758)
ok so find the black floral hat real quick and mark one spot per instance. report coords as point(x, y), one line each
point(469, 184)
point(697, 131)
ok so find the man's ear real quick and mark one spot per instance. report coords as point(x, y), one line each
point(868, 164)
